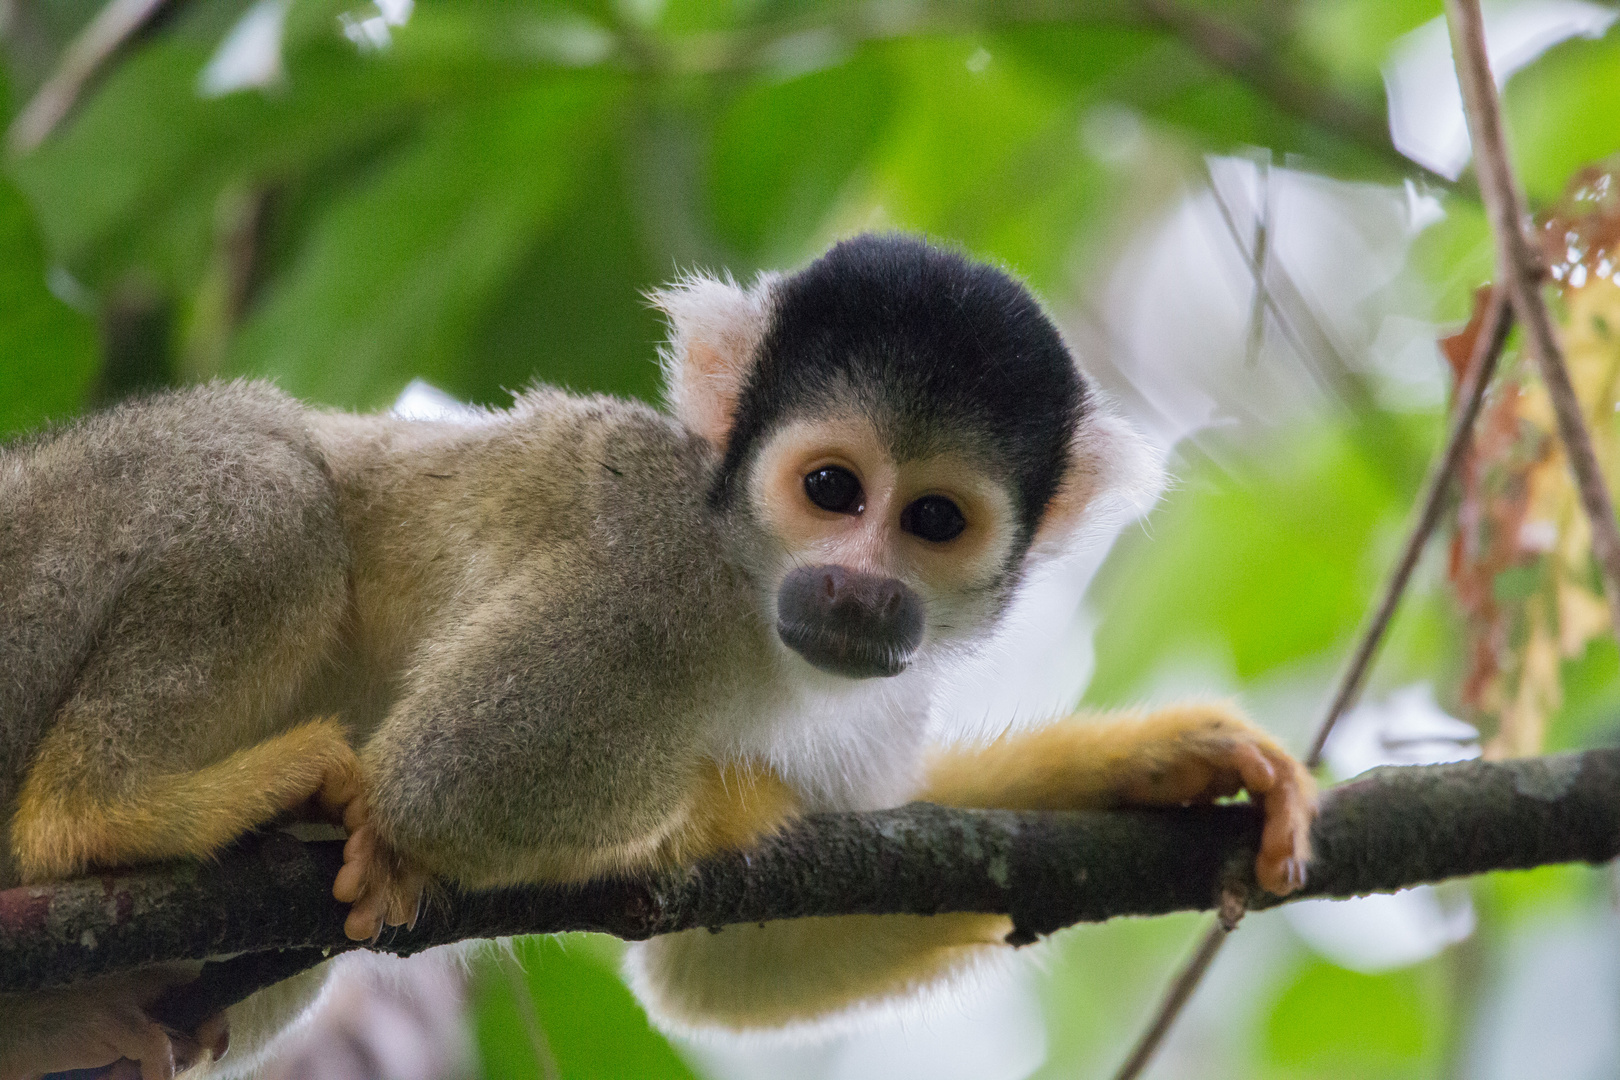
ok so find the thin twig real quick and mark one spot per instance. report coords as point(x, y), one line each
point(1326, 364)
point(1181, 988)
point(1521, 272)
point(1257, 264)
point(517, 981)
point(1425, 517)
point(113, 25)
point(1426, 513)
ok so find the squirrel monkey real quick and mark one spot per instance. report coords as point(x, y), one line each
point(580, 636)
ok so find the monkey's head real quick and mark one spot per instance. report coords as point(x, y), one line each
point(901, 431)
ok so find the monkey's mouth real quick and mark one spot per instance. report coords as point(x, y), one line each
point(853, 656)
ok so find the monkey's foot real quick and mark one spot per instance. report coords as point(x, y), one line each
point(93, 1029)
point(1201, 752)
point(383, 888)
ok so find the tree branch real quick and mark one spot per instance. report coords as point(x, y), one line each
point(111, 28)
point(1232, 50)
point(1387, 830)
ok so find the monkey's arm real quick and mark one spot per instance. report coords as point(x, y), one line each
point(1170, 757)
point(533, 744)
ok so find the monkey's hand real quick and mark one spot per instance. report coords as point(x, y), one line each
point(382, 885)
point(1175, 756)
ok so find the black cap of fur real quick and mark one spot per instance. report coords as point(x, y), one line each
point(940, 351)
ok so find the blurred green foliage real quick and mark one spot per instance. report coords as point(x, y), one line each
point(483, 201)
point(586, 1022)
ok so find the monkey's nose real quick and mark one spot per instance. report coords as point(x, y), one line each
point(849, 622)
point(854, 597)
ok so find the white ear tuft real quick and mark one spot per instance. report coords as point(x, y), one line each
point(715, 328)
point(1115, 476)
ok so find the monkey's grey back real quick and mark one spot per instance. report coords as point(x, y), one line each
point(143, 553)
point(538, 594)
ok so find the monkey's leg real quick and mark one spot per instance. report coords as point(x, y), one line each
point(1170, 757)
point(794, 971)
point(78, 809)
point(801, 971)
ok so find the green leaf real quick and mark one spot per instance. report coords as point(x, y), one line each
point(960, 117)
point(48, 351)
point(1590, 714)
point(572, 312)
point(590, 1023)
point(1330, 1023)
point(1270, 563)
point(394, 275)
point(1560, 113)
point(784, 150)
point(1352, 38)
point(1099, 983)
point(1455, 256)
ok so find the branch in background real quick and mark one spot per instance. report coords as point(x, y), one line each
point(1520, 271)
point(112, 26)
point(1488, 344)
point(1250, 61)
point(1223, 46)
point(1426, 513)
point(1276, 289)
point(270, 897)
point(1181, 991)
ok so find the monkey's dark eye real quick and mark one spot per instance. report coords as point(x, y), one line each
point(835, 489)
point(933, 517)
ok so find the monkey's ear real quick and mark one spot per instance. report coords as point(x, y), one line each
point(715, 328)
point(1115, 475)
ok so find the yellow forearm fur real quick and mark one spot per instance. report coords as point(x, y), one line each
point(1083, 762)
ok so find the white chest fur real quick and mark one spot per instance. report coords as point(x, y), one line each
point(843, 744)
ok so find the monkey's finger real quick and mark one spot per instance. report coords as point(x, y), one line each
point(405, 899)
point(349, 885)
point(1285, 841)
point(401, 909)
point(365, 920)
point(187, 1052)
point(142, 1040)
point(361, 846)
point(359, 853)
point(421, 905)
point(1259, 775)
point(125, 1035)
point(214, 1035)
point(356, 813)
